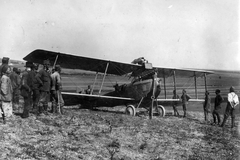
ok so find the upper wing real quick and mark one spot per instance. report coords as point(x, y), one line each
point(79, 62)
point(99, 65)
point(225, 72)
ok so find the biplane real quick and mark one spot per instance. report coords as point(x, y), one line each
point(142, 91)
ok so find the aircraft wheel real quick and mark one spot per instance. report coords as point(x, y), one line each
point(130, 110)
point(160, 111)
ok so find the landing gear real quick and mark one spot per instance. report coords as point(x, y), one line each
point(159, 111)
point(130, 110)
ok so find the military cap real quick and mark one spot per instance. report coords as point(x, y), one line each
point(15, 69)
point(5, 60)
point(57, 68)
point(29, 64)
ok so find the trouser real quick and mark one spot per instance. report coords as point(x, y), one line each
point(27, 105)
point(216, 115)
point(184, 110)
point(175, 111)
point(35, 97)
point(43, 102)
point(57, 101)
point(2, 111)
point(229, 112)
point(206, 115)
point(15, 100)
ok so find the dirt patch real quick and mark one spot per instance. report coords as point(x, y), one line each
point(98, 135)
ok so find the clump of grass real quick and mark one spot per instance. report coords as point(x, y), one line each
point(113, 148)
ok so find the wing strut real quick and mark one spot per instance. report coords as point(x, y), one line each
point(174, 80)
point(164, 82)
point(104, 77)
point(195, 82)
point(153, 96)
point(55, 62)
point(94, 82)
point(205, 80)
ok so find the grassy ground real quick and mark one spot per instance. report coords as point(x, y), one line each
point(110, 134)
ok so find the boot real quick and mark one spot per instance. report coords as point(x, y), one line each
point(233, 122)
point(61, 109)
point(3, 117)
point(25, 115)
point(176, 114)
point(45, 107)
point(224, 121)
point(184, 115)
point(40, 109)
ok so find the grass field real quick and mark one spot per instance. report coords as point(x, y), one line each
point(107, 133)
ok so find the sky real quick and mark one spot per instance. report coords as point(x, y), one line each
point(201, 34)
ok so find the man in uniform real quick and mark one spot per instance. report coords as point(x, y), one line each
point(26, 90)
point(217, 107)
point(35, 89)
point(56, 88)
point(44, 79)
point(233, 101)
point(6, 93)
point(185, 98)
point(174, 104)
point(16, 83)
point(207, 106)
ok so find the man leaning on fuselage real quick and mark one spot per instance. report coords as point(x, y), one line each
point(44, 79)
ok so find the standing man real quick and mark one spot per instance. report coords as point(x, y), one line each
point(233, 101)
point(207, 106)
point(44, 79)
point(5, 61)
point(185, 98)
point(174, 104)
point(6, 93)
point(56, 88)
point(16, 83)
point(26, 91)
point(4, 64)
point(217, 107)
point(35, 89)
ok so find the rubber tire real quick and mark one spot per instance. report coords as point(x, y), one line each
point(130, 110)
point(160, 110)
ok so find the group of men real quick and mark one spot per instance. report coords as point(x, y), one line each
point(37, 87)
point(40, 87)
point(184, 99)
point(232, 102)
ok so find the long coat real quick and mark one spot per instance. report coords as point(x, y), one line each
point(6, 89)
